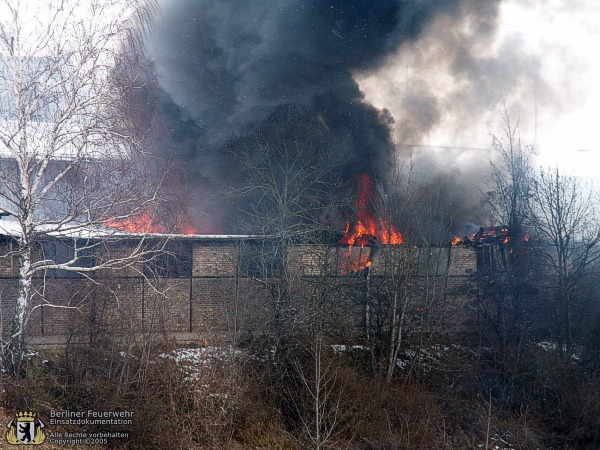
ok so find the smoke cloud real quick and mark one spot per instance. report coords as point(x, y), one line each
point(227, 66)
point(447, 90)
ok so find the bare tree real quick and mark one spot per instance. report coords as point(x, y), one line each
point(508, 198)
point(71, 163)
point(322, 389)
point(287, 179)
point(404, 277)
point(511, 178)
point(564, 213)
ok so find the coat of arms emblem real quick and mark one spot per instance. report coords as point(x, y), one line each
point(25, 428)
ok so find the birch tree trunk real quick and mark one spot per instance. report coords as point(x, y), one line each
point(71, 163)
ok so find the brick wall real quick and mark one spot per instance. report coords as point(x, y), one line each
point(218, 296)
point(9, 264)
point(463, 261)
point(309, 260)
point(120, 250)
point(8, 294)
point(212, 260)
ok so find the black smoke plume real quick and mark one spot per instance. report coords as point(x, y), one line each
point(228, 66)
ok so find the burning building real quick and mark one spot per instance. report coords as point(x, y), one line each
point(269, 76)
point(192, 286)
point(247, 72)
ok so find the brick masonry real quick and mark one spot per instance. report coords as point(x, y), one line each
point(220, 295)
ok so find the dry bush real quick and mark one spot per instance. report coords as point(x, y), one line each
point(584, 403)
point(176, 406)
point(374, 414)
point(184, 412)
point(230, 400)
point(259, 425)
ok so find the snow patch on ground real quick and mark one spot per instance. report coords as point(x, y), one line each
point(498, 443)
point(341, 348)
point(431, 356)
point(193, 360)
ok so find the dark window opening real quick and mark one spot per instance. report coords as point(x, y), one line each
point(72, 253)
point(174, 260)
point(488, 259)
point(261, 259)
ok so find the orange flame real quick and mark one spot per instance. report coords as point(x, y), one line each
point(456, 241)
point(355, 259)
point(143, 223)
point(146, 223)
point(368, 229)
point(187, 229)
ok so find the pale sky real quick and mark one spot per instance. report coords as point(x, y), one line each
point(567, 36)
point(35, 17)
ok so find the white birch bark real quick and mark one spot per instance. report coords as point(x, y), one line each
point(69, 163)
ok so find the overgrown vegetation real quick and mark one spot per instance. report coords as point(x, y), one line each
point(220, 397)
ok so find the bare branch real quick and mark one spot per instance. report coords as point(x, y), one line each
point(70, 164)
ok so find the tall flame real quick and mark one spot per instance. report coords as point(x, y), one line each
point(368, 229)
